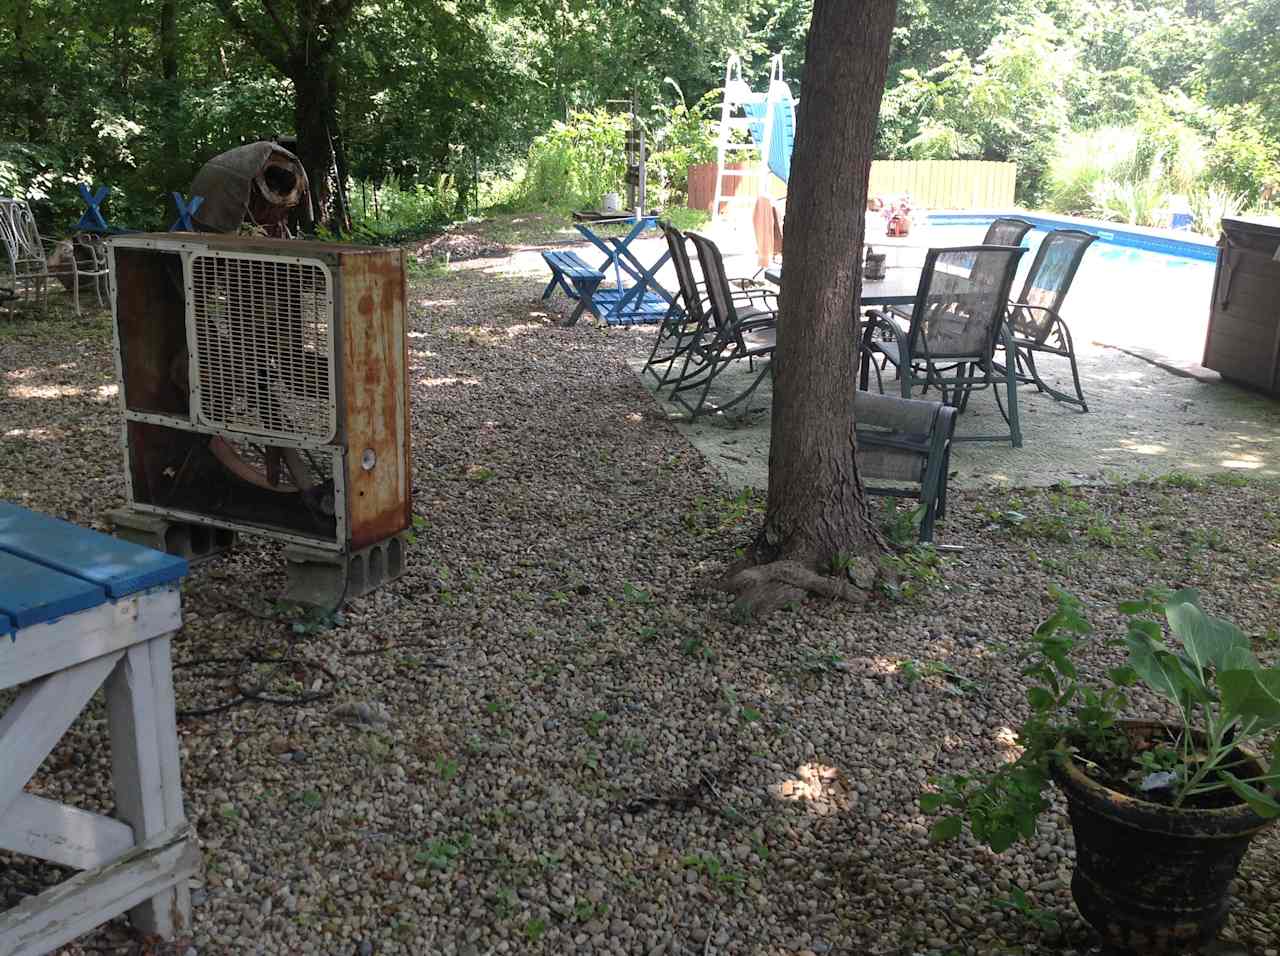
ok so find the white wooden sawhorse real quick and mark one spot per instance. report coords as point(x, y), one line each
point(78, 611)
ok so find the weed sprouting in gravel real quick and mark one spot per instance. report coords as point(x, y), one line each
point(720, 876)
point(1018, 902)
point(912, 572)
point(1182, 479)
point(441, 853)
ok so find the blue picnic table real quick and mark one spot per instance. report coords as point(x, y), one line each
point(81, 610)
point(635, 298)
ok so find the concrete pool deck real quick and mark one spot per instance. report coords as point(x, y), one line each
point(1144, 421)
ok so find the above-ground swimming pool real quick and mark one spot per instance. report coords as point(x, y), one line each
point(1135, 288)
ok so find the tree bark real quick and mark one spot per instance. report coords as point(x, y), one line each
point(817, 516)
point(168, 39)
point(307, 54)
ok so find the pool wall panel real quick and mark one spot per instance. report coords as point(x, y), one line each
point(1118, 234)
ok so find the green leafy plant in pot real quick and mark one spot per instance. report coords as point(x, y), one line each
point(1162, 812)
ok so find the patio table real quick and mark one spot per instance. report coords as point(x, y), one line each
point(645, 300)
point(898, 287)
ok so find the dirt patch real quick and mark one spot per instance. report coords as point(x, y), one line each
point(460, 246)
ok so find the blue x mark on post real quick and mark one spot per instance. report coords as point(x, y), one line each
point(185, 211)
point(92, 220)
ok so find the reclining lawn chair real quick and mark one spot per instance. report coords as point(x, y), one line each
point(957, 318)
point(686, 322)
point(742, 326)
point(1035, 317)
point(906, 440)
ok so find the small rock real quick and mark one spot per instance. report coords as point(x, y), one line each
point(361, 713)
point(366, 948)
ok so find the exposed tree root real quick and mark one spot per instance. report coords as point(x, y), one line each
point(763, 588)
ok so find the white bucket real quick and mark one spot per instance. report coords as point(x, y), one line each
point(611, 202)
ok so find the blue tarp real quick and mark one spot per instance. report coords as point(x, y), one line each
point(784, 130)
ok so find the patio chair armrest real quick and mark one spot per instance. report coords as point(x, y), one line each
point(1029, 307)
point(1045, 319)
point(879, 320)
point(750, 294)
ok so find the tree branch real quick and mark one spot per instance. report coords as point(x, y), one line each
point(274, 53)
point(289, 45)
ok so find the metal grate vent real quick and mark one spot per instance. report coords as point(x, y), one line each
point(262, 346)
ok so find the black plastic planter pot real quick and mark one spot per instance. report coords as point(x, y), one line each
point(1149, 878)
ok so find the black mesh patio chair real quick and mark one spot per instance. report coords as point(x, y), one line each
point(1035, 316)
point(686, 322)
point(1006, 231)
point(905, 440)
point(742, 326)
point(956, 320)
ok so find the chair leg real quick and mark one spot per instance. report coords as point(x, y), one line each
point(1048, 389)
point(1010, 416)
point(767, 369)
point(697, 408)
point(1075, 378)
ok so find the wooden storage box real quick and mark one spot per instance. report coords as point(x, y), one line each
point(1243, 341)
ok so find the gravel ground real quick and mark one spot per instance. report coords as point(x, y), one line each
point(549, 737)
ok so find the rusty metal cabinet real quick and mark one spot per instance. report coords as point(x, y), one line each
point(1243, 340)
point(264, 390)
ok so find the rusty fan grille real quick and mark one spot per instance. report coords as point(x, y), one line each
point(262, 330)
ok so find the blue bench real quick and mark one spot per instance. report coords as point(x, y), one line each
point(577, 279)
point(81, 610)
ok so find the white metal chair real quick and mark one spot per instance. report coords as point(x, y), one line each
point(30, 261)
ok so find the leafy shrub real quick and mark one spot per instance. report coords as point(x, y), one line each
point(24, 171)
point(1139, 202)
point(1084, 161)
point(577, 162)
point(1244, 161)
point(682, 136)
point(392, 211)
point(1210, 205)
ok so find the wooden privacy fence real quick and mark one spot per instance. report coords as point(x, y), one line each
point(946, 184)
point(933, 184)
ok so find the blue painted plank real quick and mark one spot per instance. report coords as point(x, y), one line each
point(119, 567)
point(31, 593)
point(6, 625)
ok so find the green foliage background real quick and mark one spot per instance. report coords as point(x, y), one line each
point(1109, 107)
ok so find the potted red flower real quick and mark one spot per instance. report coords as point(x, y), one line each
point(897, 215)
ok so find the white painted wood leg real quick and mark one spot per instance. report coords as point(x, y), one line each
point(175, 813)
point(133, 716)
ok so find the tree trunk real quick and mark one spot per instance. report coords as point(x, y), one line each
point(817, 513)
point(344, 176)
point(168, 39)
point(315, 90)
